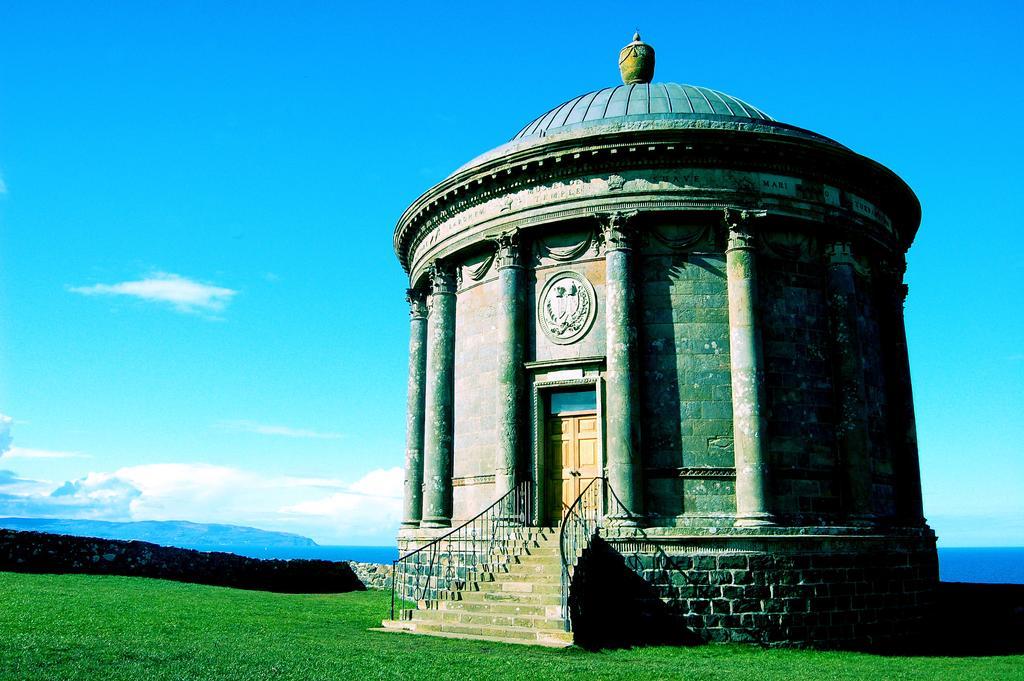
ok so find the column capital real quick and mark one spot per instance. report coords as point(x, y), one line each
point(509, 250)
point(740, 223)
point(840, 253)
point(902, 290)
point(893, 269)
point(442, 277)
point(890, 281)
point(616, 232)
point(417, 299)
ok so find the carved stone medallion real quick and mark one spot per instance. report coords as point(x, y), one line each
point(566, 307)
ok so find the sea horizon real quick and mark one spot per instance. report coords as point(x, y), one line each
point(980, 565)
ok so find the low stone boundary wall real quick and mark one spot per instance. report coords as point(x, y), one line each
point(60, 554)
point(373, 575)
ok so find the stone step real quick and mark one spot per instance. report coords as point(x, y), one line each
point(521, 565)
point(489, 619)
point(516, 586)
point(502, 607)
point(542, 639)
point(520, 542)
point(500, 568)
point(530, 567)
point(514, 597)
point(511, 547)
point(528, 549)
point(510, 634)
point(506, 555)
point(534, 538)
point(509, 597)
point(537, 559)
point(538, 573)
point(540, 576)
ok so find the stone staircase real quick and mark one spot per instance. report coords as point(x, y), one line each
point(517, 600)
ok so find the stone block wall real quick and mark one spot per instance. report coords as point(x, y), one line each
point(475, 413)
point(376, 576)
point(883, 495)
point(798, 383)
point(686, 394)
point(823, 592)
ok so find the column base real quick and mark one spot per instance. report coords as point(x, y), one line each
point(754, 520)
point(625, 521)
point(430, 523)
point(409, 524)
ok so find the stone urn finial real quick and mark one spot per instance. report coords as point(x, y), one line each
point(636, 61)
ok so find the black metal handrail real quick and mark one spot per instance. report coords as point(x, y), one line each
point(445, 562)
point(579, 525)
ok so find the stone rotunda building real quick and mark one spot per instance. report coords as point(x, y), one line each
point(661, 288)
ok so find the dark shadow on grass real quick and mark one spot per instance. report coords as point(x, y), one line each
point(970, 620)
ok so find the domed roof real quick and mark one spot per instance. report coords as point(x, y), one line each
point(642, 101)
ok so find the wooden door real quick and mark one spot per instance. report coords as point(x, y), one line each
point(573, 459)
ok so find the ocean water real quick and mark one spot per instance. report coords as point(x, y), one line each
point(359, 554)
point(984, 565)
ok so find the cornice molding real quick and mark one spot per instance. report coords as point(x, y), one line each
point(566, 160)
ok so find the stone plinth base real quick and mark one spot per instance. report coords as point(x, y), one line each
point(834, 588)
point(412, 538)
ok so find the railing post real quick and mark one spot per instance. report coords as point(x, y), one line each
point(394, 574)
point(450, 559)
point(579, 525)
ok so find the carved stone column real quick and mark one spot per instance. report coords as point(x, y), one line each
point(746, 363)
point(438, 426)
point(900, 397)
point(851, 396)
point(412, 508)
point(511, 328)
point(622, 421)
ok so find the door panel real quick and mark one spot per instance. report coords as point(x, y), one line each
point(586, 446)
point(588, 456)
point(573, 460)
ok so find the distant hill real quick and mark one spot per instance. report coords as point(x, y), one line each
point(163, 532)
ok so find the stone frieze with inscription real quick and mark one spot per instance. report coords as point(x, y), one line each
point(720, 185)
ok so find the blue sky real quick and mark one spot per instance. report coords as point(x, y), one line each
point(201, 316)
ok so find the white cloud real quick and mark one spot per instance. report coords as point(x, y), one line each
point(12, 486)
point(27, 453)
point(185, 295)
point(283, 431)
point(331, 511)
point(5, 434)
point(7, 451)
point(371, 506)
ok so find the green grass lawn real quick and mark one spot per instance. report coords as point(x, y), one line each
point(90, 627)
